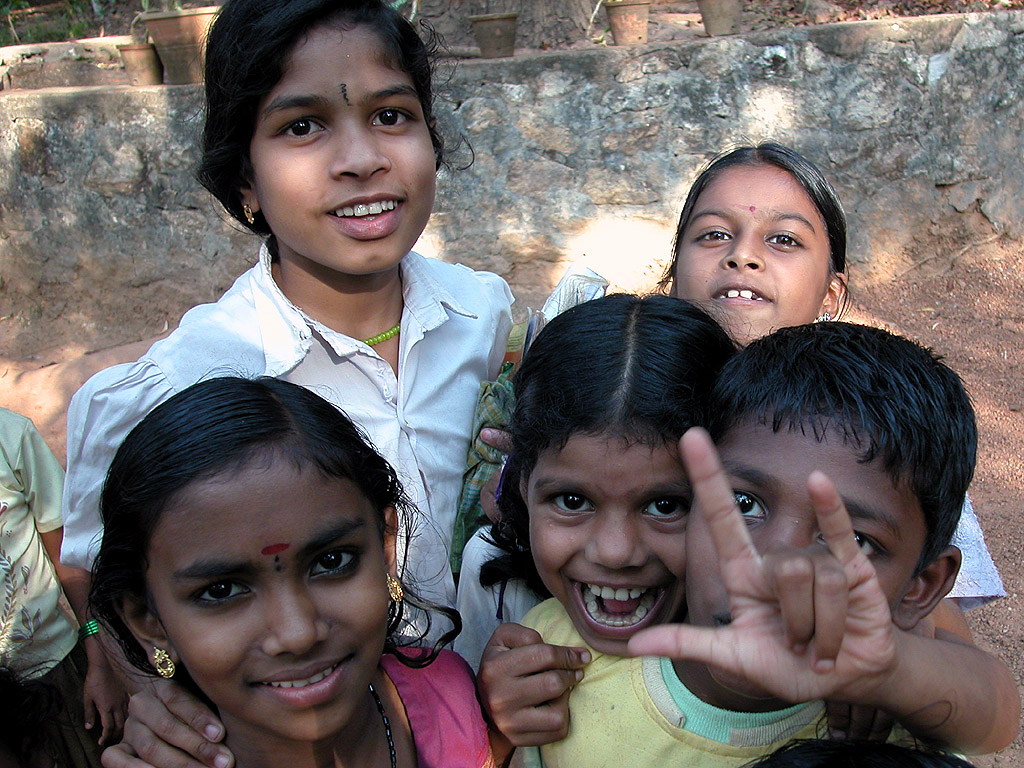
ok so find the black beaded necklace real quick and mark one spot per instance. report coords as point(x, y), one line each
point(387, 726)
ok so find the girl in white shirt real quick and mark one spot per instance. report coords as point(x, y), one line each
point(320, 136)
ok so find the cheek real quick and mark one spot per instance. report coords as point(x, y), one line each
point(551, 545)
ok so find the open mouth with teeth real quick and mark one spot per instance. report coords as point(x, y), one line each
point(735, 293)
point(303, 683)
point(619, 608)
point(369, 209)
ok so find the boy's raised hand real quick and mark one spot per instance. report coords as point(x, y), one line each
point(805, 624)
point(524, 684)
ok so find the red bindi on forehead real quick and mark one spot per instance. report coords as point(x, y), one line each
point(753, 208)
point(274, 549)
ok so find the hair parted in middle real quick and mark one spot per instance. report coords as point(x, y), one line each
point(889, 398)
point(622, 366)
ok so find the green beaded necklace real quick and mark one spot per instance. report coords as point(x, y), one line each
point(393, 331)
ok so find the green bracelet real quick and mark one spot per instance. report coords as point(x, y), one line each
point(90, 627)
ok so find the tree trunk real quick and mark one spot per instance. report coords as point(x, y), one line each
point(542, 23)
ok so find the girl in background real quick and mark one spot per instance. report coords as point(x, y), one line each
point(761, 244)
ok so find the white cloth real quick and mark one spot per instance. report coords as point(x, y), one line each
point(978, 581)
point(484, 608)
point(455, 324)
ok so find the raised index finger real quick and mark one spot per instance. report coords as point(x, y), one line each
point(714, 498)
point(833, 520)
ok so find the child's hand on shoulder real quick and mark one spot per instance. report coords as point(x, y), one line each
point(806, 624)
point(524, 684)
point(168, 727)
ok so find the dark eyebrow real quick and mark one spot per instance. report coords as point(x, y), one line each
point(779, 216)
point(749, 474)
point(297, 101)
point(332, 534)
point(314, 101)
point(860, 511)
point(399, 89)
point(213, 568)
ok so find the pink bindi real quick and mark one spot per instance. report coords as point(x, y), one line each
point(273, 549)
point(753, 208)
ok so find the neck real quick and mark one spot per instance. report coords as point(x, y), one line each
point(725, 691)
point(359, 306)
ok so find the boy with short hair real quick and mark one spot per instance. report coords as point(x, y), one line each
point(776, 621)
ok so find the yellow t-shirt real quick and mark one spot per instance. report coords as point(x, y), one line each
point(633, 711)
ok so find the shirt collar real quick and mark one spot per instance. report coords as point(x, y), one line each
point(425, 297)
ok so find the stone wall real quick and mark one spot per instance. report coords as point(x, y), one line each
point(579, 155)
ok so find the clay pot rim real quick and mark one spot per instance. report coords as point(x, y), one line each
point(494, 16)
point(156, 15)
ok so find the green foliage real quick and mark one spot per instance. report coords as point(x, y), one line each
point(22, 22)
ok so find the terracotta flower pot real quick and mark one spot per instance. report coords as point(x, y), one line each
point(180, 39)
point(628, 20)
point(141, 64)
point(721, 17)
point(495, 34)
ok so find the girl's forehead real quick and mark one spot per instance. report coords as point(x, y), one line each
point(265, 506)
point(356, 40)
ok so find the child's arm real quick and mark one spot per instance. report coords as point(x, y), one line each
point(975, 702)
point(795, 652)
point(524, 685)
point(104, 691)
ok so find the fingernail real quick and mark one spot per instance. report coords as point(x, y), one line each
point(824, 666)
point(221, 761)
point(578, 674)
point(585, 657)
point(88, 726)
point(212, 732)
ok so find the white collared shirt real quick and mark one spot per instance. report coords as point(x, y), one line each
point(455, 324)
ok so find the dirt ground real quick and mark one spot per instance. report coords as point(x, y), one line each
point(961, 300)
point(957, 290)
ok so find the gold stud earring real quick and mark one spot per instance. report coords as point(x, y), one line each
point(395, 591)
point(163, 663)
point(248, 214)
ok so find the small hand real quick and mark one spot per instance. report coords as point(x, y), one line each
point(857, 722)
point(167, 727)
point(524, 684)
point(104, 696)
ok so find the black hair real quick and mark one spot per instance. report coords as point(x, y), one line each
point(27, 707)
point(220, 426)
point(246, 56)
point(806, 173)
point(890, 398)
point(639, 368)
point(832, 753)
